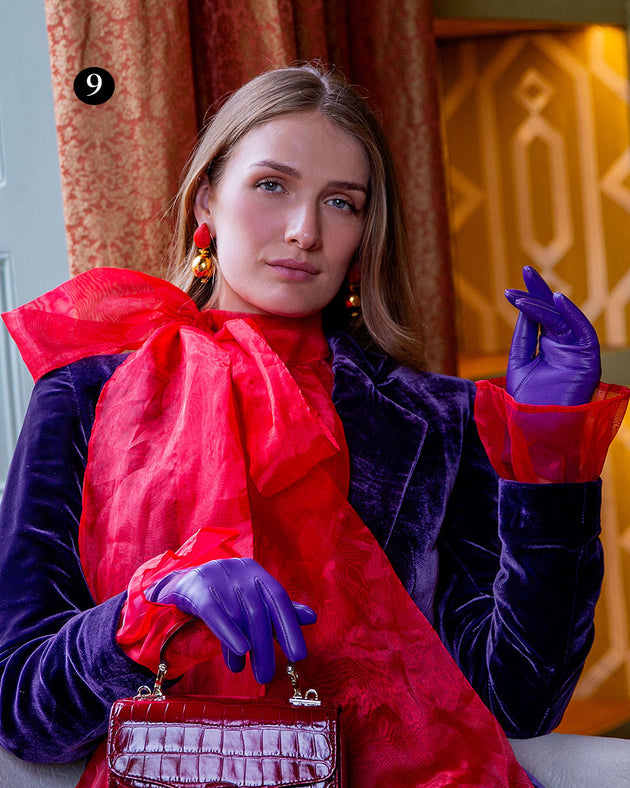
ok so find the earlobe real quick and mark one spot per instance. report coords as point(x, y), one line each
point(201, 206)
point(353, 273)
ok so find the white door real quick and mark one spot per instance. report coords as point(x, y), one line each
point(33, 254)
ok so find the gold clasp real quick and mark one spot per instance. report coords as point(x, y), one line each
point(310, 698)
point(145, 693)
point(159, 680)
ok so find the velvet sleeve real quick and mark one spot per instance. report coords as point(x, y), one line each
point(520, 573)
point(60, 667)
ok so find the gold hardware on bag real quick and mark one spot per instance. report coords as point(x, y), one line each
point(310, 698)
point(159, 680)
point(145, 693)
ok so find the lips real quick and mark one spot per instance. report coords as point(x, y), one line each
point(296, 265)
point(294, 269)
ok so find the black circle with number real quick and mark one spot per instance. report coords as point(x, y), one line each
point(94, 85)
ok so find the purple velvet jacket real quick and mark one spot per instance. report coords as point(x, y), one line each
point(508, 573)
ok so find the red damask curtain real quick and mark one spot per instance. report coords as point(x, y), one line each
point(120, 161)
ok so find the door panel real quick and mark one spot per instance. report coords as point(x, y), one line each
point(33, 254)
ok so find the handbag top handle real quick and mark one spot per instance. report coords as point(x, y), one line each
point(308, 698)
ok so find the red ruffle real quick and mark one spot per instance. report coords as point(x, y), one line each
point(105, 310)
point(547, 443)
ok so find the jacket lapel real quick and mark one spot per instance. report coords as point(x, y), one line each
point(384, 437)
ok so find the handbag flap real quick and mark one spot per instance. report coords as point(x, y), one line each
point(221, 742)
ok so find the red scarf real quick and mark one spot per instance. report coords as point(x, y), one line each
point(219, 434)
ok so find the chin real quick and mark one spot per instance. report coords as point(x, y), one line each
point(284, 309)
point(296, 314)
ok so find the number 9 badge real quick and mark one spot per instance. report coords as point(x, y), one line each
point(94, 85)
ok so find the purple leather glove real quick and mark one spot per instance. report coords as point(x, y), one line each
point(243, 605)
point(554, 358)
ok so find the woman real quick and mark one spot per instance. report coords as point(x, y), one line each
point(197, 456)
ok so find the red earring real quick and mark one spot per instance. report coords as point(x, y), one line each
point(203, 264)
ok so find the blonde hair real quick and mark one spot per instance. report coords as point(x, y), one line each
point(389, 313)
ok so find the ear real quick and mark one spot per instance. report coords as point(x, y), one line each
point(203, 203)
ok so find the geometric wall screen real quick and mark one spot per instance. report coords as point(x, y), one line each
point(538, 168)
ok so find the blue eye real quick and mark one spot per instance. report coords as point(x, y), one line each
point(341, 204)
point(270, 186)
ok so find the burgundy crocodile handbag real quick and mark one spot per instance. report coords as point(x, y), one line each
point(213, 742)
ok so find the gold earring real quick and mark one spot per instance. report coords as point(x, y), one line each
point(203, 265)
point(352, 300)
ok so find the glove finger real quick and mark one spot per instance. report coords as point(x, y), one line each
point(580, 325)
point(536, 285)
point(285, 620)
point(235, 662)
point(513, 295)
point(260, 633)
point(524, 340)
point(305, 614)
point(551, 321)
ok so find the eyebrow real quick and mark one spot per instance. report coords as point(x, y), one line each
point(293, 173)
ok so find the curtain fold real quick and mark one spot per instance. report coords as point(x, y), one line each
point(173, 62)
point(394, 56)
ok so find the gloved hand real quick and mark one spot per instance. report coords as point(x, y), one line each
point(561, 364)
point(243, 605)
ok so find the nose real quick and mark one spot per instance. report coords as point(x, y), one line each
point(303, 227)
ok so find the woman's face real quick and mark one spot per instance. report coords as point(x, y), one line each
point(287, 215)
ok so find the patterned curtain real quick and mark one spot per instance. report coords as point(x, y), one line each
point(120, 161)
point(172, 62)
